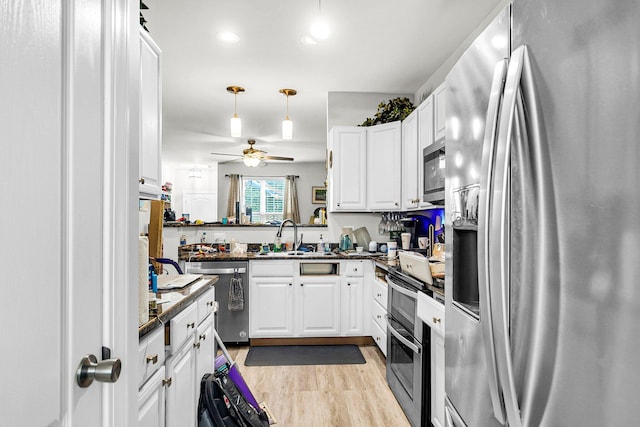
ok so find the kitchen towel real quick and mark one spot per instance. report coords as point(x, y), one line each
point(143, 280)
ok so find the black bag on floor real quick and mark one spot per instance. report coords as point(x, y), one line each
point(222, 405)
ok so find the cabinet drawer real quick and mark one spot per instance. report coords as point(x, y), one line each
point(379, 290)
point(379, 335)
point(182, 327)
point(431, 312)
point(272, 268)
point(150, 354)
point(377, 313)
point(206, 304)
point(354, 268)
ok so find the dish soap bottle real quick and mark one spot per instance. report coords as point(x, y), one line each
point(345, 242)
point(321, 245)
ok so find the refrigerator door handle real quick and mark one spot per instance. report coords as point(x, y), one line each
point(486, 200)
point(500, 223)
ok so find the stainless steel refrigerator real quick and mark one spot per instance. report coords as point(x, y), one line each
point(543, 219)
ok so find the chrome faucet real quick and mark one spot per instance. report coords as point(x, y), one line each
point(296, 244)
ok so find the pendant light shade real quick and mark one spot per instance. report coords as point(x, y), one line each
point(287, 125)
point(252, 162)
point(235, 123)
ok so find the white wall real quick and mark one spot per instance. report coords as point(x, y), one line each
point(310, 174)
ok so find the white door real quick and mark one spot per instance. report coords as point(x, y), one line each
point(202, 206)
point(69, 187)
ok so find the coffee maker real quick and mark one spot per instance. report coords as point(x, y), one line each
point(417, 226)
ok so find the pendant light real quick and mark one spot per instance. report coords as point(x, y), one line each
point(235, 123)
point(319, 29)
point(287, 125)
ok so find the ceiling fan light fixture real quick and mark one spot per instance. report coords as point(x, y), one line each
point(251, 162)
point(287, 124)
point(235, 123)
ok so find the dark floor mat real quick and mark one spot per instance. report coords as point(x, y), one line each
point(304, 355)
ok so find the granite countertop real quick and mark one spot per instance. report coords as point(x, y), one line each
point(233, 256)
point(178, 300)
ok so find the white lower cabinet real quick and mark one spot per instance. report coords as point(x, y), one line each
point(272, 310)
point(437, 379)
point(151, 398)
point(170, 372)
point(378, 313)
point(318, 304)
point(181, 401)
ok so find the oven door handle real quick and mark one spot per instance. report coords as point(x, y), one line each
point(400, 338)
point(403, 291)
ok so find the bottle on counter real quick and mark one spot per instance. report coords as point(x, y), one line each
point(203, 239)
point(321, 245)
point(345, 242)
point(232, 244)
point(183, 240)
point(277, 244)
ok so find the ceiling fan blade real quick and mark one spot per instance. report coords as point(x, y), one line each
point(289, 159)
point(226, 154)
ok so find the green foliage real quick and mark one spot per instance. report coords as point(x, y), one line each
point(391, 111)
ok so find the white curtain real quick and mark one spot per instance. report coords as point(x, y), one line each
point(291, 208)
point(234, 194)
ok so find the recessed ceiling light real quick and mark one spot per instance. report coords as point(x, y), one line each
point(228, 37)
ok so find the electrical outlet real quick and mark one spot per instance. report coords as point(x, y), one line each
point(218, 237)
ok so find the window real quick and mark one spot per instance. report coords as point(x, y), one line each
point(265, 197)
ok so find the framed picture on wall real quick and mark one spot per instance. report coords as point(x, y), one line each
point(319, 195)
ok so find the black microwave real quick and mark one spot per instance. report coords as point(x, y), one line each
point(434, 161)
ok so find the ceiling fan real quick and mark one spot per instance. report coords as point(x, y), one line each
point(253, 157)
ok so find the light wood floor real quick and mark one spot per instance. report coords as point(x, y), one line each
point(325, 395)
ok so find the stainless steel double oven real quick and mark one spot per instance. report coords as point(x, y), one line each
point(408, 348)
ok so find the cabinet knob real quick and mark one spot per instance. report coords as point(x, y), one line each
point(166, 382)
point(152, 359)
point(338, 204)
point(203, 337)
point(301, 284)
point(191, 325)
point(141, 180)
point(348, 284)
point(396, 203)
point(210, 303)
point(290, 284)
point(436, 320)
point(196, 344)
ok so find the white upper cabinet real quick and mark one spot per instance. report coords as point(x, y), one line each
point(439, 109)
point(410, 162)
point(384, 166)
point(347, 169)
point(150, 118)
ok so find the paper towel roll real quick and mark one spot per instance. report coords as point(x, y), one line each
point(143, 280)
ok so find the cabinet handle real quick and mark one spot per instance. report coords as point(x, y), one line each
point(203, 337)
point(196, 344)
point(191, 325)
point(210, 303)
point(152, 359)
point(331, 160)
point(436, 320)
point(141, 180)
point(166, 382)
point(379, 317)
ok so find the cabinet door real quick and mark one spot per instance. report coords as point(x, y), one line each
point(437, 379)
point(182, 403)
point(352, 306)
point(150, 117)
point(318, 306)
point(439, 109)
point(151, 401)
point(347, 169)
point(272, 308)
point(410, 161)
point(384, 166)
point(425, 139)
point(204, 351)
